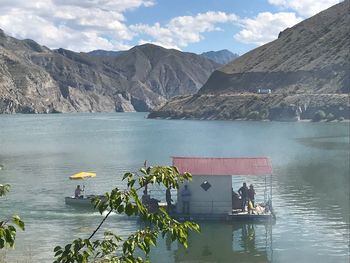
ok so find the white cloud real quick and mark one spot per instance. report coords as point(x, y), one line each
point(115, 5)
point(83, 25)
point(305, 8)
point(183, 30)
point(72, 24)
point(265, 27)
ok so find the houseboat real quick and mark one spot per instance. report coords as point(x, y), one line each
point(211, 194)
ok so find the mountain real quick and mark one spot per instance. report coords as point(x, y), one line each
point(105, 53)
point(307, 69)
point(222, 56)
point(35, 79)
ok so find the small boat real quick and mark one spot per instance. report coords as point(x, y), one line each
point(81, 200)
point(85, 201)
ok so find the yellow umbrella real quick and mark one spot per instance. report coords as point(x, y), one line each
point(82, 175)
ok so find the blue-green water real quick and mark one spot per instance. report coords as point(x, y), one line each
point(310, 186)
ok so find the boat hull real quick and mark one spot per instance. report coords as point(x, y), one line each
point(81, 202)
point(233, 217)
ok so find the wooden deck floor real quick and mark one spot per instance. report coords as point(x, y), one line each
point(234, 216)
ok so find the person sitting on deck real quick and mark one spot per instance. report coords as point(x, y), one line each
point(243, 191)
point(185, 195)
point(251, 194)
point(77, 192)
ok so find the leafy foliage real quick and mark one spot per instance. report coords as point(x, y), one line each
point(283, 105)
point(7, 227)
point(319, 115)
point(253, 115)
point(113, 248)
point(330, 117)
point(4, 188)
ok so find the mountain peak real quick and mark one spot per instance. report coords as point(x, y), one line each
point(223, 56)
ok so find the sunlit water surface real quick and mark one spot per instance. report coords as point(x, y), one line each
point(310, 183)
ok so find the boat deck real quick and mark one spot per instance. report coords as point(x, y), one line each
point(255, 217)
point(85, 201)
point(230, 217)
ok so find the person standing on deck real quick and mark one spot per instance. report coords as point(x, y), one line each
point(251, 194)
point(243, 191)
point(185, 195)
point(146, 199)
point(168, 200)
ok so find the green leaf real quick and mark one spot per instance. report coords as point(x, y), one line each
point(17, 220)
point(57, 248)
point(4, 188)
point(129, 209)
point(127, 175)
point(143, 170)
point(120, 209)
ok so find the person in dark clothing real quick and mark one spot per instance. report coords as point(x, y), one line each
point(243, 191)
point(168, 200)
point(78, 192)
point(146, 199)
point(186, 196)
point(251, 194)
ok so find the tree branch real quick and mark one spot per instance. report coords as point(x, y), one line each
point(99, 226)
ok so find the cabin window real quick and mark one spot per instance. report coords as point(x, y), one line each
point(205, 185)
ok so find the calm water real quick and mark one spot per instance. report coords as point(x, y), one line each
point(311, 182)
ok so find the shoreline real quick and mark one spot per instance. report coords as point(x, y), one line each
point(174, 118)
point(249, 120)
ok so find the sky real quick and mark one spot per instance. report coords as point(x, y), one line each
point(188, 25)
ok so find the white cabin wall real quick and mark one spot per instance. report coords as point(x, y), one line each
point(216, 200)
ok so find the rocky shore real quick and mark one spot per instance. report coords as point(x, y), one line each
point(250, 106)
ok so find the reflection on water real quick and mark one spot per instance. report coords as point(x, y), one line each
point(228, 243)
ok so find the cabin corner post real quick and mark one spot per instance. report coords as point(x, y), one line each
point(271, 190)
point(265, 190)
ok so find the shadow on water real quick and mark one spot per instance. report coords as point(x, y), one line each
point(220, 242)
point(317, 186)
point(326, 142)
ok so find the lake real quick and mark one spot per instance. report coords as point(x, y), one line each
point(310, 184)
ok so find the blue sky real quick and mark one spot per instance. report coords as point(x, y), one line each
point(192, 25)
point(163, 11)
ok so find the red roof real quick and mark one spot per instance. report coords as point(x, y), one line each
point(223, 166)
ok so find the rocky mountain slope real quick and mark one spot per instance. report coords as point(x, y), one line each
point(222, 56)
point(35, 79)
point(307, 69)
point(105, 53)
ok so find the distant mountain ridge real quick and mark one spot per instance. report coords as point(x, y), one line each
point(222, 56)
point(105, 53)
point(35, 79)
point(307, 69)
